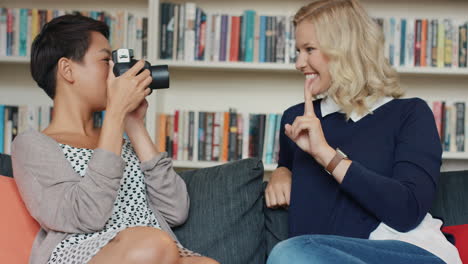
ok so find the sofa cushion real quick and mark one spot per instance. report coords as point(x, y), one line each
point(5, 165)
point(226, 219)
point(17, 228)
point(450, 203)
point(460, 232)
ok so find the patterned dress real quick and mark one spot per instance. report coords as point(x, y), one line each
point(130, 209)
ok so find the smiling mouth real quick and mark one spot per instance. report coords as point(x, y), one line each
point(311, 76)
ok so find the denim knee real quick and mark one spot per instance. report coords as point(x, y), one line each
point(292, 250)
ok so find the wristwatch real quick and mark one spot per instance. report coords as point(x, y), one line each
point(339, 156)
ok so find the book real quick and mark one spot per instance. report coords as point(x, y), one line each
point(460, 126)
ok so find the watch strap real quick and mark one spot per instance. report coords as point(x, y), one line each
point(339, 156)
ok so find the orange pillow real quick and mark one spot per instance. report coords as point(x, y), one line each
point(17, 228)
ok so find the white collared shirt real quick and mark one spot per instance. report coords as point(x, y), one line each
point(328, 106)
point(427, 234)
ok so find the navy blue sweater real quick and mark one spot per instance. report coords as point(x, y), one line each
point(396, 156)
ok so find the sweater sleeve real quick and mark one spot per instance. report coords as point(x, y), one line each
point(55, 195)
point(286, 152)
point(402, 200)
point(167, 192)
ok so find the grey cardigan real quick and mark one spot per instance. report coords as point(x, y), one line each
point(64, 203)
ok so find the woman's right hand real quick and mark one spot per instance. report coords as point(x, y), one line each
point(278, 190)
point(126, 92)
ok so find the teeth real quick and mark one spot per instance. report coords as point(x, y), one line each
point(311, 76)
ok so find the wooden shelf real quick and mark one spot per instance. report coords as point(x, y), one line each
point(243, 66)
point(253, 66)
point(455, 156)
point(14, 59)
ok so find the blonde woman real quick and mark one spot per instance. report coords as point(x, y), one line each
point(358, 168)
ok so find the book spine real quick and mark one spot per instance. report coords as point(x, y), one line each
point(435, 41)
point(224, 37)
point(163, 15)
point(261, 47)
point(181, 35)
point(242, 36)
point(447, 131)
point(240, 128)
point(277, 132)
point(460, 126)
point(429, 44)
point(225, 145)
point(462, 40)
point(191, 135)
point(144, 38)
point(245, 135)
point(232, 135)
point(189, 46)
point(209, 136)
point(281, 39)
point(201, 136)
point(403, 43)
point(10, 34)
point(256, 38)
point(175, 139)
point(392, 41)
point(271, 138)
point(417, 43)
point(448, 45)
point(170, 31)
point(249, 15)
point(235, 31)
point(23, 32)
point(217, 45)
point(423, 61)
point(175, 31)
point(261, 135)
point(441, 45)
point(216, 136)
point(202, 37)
point(3, 34)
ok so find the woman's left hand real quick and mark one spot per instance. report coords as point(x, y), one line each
point(139, 113)
point(306, 131)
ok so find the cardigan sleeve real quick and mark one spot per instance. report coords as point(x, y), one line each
point(402, 200)
point(55, 195)
point(167, 192)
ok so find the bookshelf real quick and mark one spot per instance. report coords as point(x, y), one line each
point(248, 87)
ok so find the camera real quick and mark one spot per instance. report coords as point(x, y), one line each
point(123, 61)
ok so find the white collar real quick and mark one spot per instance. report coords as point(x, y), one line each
point(328, 106)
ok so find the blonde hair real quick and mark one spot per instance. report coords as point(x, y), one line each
point(354, 45)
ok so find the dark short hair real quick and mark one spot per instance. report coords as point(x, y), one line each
point(65, 36)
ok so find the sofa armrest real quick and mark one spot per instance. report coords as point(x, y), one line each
point(451, 203)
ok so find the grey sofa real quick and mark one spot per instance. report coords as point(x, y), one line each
point(229, 222)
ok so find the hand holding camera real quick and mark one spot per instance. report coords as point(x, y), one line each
point(130, 81)
point(125, 93)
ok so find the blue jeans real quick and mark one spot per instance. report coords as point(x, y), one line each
point(321, 249)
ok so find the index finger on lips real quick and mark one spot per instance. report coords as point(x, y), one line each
point(308, 106)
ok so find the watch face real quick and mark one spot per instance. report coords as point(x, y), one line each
point(341, 152)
